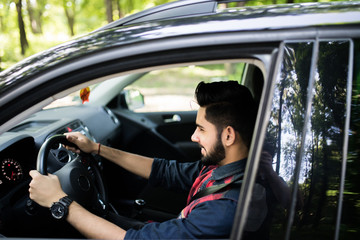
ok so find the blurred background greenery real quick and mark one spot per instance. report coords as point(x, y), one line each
point(30, 26)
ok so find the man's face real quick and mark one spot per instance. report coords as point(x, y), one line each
point(209, 140)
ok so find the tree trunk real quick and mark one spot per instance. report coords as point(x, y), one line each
point(131, 6)
point(109, 11)
point(311, 188)
point(35, 14)
point(70, 15)
point(278, 157)
point(323, 187)
point(118, 8)
point(23, 40)
point(2, 26)
point(71, 21)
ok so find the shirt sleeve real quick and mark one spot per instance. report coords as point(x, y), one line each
point(174, 175)
point(211, 219)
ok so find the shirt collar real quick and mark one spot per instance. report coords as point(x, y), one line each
point(229, 169)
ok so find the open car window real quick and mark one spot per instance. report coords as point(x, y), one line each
point(169, 89)
point(173, 89)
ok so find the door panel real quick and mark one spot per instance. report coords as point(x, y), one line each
point(177, 128)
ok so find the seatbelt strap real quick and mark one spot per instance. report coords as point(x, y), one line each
point(215, 188)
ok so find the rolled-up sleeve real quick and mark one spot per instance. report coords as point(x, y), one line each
point(210, 219)
point(174, 175)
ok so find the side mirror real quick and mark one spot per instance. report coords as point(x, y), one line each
point(133, 99)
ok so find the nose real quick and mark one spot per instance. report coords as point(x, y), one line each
point(194, 136)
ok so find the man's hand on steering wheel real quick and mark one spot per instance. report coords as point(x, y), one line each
point(84, 144)
point(80, 178)
point(45, 189)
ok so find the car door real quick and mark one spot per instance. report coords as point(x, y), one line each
point(312, 117)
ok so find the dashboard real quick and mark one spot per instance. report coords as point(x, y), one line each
point(19, 148)
point(19, 155)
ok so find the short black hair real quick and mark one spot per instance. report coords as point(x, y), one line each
point(228, 104)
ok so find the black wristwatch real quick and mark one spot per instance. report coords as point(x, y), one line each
point(59, 210)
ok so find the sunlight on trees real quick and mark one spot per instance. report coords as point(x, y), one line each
point(30, 26)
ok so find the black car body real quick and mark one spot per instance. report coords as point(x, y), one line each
point(300, 61)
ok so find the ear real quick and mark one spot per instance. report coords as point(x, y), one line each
point(229, 136)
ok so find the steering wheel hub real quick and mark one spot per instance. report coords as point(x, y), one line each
point(84, 183)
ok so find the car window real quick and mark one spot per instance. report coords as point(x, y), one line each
point(173, 89)
point(308, 156)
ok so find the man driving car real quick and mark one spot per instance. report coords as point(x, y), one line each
point(225, 122)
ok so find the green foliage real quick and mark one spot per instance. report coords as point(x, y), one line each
point(60, 21)
point(87, 15)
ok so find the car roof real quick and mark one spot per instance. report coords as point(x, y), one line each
point(171, 10)
point(190, 8)
point(247, 20)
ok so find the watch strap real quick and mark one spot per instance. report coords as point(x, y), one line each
point(66, 201)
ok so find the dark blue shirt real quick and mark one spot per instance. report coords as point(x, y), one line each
point(208, 219)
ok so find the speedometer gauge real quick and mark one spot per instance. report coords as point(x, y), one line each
point(11, 170)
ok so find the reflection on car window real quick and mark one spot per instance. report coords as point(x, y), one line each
point(173, 89)
point(319, 179)
point(73, 99)
point(351, 213)
point(285, 127)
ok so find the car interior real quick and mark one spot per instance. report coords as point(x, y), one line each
point(150, 113)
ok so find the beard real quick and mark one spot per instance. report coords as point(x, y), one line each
point(216, 155)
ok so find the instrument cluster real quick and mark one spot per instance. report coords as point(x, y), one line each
point(11, 171)
point(12, 174)
point(17, 158)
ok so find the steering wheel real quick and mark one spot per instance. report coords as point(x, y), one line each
point(80, 178)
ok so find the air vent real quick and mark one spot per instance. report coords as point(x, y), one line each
point(63, 156)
